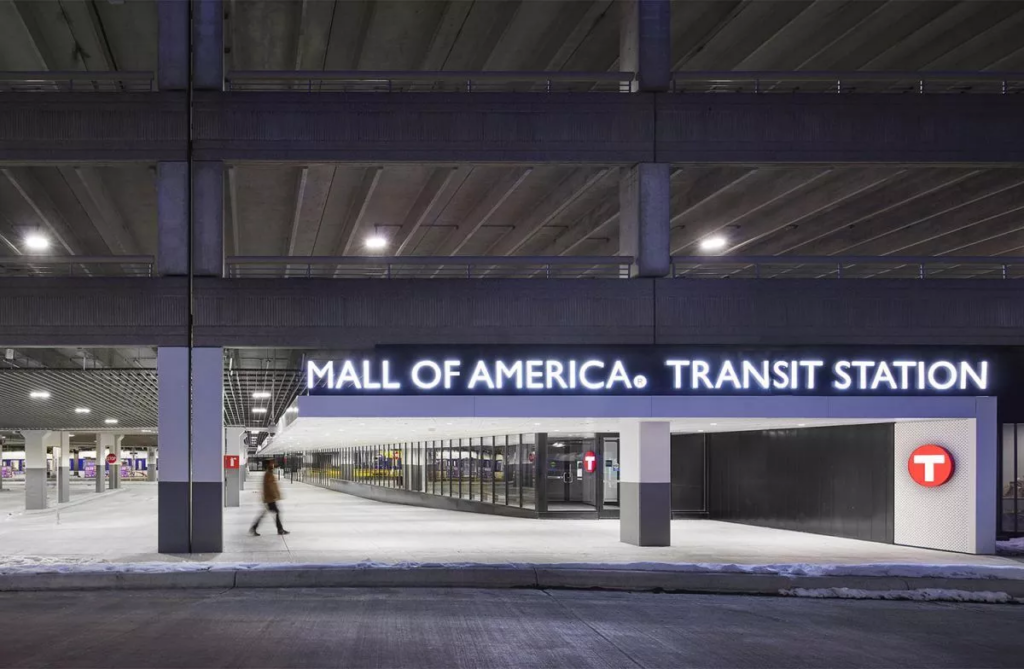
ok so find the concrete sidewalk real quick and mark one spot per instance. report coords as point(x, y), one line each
point(342, 541)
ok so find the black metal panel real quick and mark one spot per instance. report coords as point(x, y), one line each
point(830, 480)
point(687, 472)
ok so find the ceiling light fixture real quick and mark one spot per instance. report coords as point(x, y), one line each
point(40, 394)
point(259, 410)
point(110, 421)
point(716, 243)
point(376, 242)
point(37, 242)
point(261, 395)
point(83, 410)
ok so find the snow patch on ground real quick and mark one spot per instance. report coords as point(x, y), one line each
point(1011, 547)
point(65, 564)
point(922, 595)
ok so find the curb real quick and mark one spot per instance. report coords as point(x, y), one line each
point(484, 577)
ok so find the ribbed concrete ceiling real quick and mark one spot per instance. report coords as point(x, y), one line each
point(573, 35)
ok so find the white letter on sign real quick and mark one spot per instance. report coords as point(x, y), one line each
point(929, 462)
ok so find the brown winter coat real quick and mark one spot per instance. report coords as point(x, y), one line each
point(271, 493)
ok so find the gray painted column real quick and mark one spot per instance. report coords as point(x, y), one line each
point(173, 422)
point(2, 464)
point(172, 217)
point(208, 218)
point(207, 450)
point(104, 442)
point(644, 218)
point(35, 469)
point(645, 43)
point(233, 477)
point(645, 484)
point(151, 464)
point(62, 461)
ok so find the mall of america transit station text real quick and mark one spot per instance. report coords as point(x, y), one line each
point(681, 375)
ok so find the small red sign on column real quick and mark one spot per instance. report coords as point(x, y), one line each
point(590, 462)
point(111, 459)
point(230, 462)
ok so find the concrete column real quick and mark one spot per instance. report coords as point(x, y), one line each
point(172, 45)
point(207, 450)
point(1, 463)
point(645, 484)
point(208, 218)
point(644, 218)
point(104, 442)
point(151, 464)
point(233, 477)
point(173, 488)
point(62, 460)
point(172, 214)
point(115, 469)
point(35, 469)
point(208, 45)
point(645, 43)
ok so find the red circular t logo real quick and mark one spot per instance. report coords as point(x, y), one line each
point(111, 459)
point(589, 462)
point(930, 465)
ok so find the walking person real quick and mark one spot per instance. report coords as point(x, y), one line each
point(271, 496)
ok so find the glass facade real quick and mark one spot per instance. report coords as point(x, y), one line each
point(490, 470)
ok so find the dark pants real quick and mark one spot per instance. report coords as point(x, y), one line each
point(272, 507)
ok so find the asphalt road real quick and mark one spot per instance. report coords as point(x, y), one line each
point(510, 628)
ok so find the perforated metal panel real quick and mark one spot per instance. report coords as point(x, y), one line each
point(942, 517)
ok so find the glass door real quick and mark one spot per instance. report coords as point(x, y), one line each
point(610, 461)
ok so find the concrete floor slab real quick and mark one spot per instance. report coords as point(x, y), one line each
point(331, 527)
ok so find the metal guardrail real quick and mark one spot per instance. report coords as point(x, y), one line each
point(358, 81)
point(847, 267)
point(83, 266)
point(1003, 83)
point(426, 267)
point(76, 82)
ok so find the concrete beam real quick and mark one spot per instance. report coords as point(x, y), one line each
point(92, 127)
point(573, 187)
point(357, 210)
point(435, 195)
point(483, 211)
point(73, 312)
point(811, 128)
point(515, 127)
point(338, 314)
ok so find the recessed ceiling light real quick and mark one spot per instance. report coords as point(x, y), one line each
point(259, 410)
point(261, 395)
point(700, 430)
point(714, 423)
point(801, 424)
point(716, 243)
point(110, 421)
point(376, 242)
point(148, 431)
point(83, 410)
point(40, 394)
point(37, 242)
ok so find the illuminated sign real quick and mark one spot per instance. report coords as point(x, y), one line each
point(651, 371)
point(590, 462)
point(930, 465)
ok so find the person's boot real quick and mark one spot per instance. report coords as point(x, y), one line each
point(253, 532)
point(283, 532)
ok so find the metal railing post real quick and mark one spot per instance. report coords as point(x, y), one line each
point(921, 270)
point(1005, 271)
point(839, 270)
